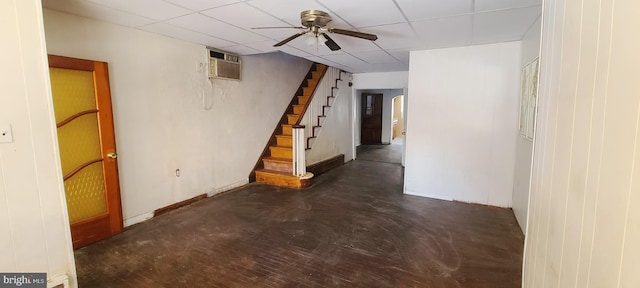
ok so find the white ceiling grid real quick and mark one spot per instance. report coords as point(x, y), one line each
point(401, 25)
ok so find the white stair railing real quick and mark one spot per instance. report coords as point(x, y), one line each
point(320, 104)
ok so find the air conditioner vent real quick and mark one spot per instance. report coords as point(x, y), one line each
point(224, 65)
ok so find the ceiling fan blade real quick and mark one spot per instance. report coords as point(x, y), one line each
point(285, 41)
point(278, 27)
point(354, 34)
point(330, 43)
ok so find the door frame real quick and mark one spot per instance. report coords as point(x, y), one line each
point(112, 221)
point(356, 92)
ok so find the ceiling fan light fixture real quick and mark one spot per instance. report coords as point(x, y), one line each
point(310, 39)
point(313, 26)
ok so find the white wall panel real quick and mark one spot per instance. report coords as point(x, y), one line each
point(462, 123)
point(35, 228)
point(583, 227)
point(524, 147)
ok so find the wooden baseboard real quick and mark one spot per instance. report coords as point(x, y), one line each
point(326, 165)
point(175, 206)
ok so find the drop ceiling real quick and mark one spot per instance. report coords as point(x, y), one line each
point(401, 25)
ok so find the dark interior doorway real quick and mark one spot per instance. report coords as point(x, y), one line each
point(371, 124)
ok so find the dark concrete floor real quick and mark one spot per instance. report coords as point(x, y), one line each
point(352, 228)
point(388, 153)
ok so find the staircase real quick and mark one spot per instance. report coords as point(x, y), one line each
point(275, 166)
point(318, 110)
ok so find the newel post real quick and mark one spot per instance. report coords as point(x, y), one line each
point(299, 162)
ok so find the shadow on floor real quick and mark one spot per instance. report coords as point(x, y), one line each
point(353, 228)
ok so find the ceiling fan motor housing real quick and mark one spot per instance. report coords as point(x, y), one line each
point(314, 18)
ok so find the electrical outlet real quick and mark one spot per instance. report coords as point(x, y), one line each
point(5, 134)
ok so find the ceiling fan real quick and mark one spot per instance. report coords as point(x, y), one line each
point(313, 24)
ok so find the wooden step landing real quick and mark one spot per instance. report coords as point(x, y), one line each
point(278, 164)
point(281, 152)
point(292, 118)
point(287, 129)
point(284, 140)
point(282, 179)
point(297, 109)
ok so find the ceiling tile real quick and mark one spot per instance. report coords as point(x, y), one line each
point(293, 51)
point(400, 55)
point(286, 10)
point(207, 25)
point(323, 61)
point(225, 24)
point(95, 11)
point(264, 46)
point(154, 9)
point(375, 57)
point(373, 13)
point(489, 5)
point(241, 50)
point(199, 5)
point(446, 32)
point(387, 67)
point(433, 9)
point(504, 25)
point(344, 59)
point(184, 34)
point(394, 36)
point(245, 16)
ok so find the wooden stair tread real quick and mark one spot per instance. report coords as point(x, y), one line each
point(276, 159)
point(283, 136)
point(280, 147)
point(279, 173)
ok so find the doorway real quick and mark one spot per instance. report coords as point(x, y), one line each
point(375, 112)
point(397, 118)
point(86, 140)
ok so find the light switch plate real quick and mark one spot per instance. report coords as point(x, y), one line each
point(5, 134)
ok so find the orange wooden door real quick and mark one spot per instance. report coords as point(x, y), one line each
point(82, 104)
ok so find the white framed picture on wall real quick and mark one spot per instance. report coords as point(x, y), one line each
point(528, 99)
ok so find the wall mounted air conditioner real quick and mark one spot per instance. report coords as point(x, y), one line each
point(224, 65)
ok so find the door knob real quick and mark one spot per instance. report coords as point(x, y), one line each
point(112, 155)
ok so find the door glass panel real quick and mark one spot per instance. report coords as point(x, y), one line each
point(369, 106)
point(79, 142)
point(73, 92)
point(85, 193)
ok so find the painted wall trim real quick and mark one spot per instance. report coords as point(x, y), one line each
point(225, 188)
point(427, 195)
point(137, 219)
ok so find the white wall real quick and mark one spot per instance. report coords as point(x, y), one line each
point(335, 135)
point(584, 221)
point(462, 123)
point(35, 233)
point(160, 121)
point(524, 147)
